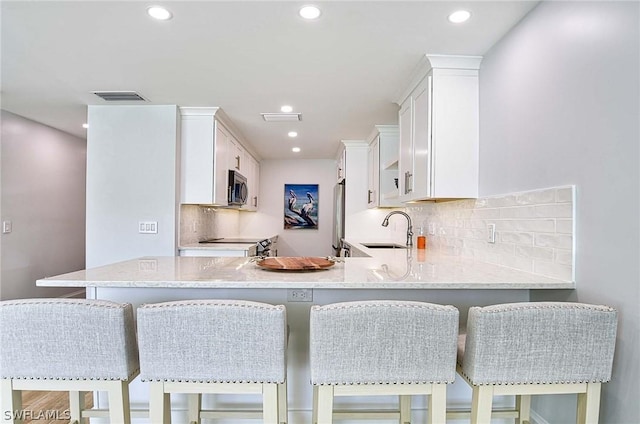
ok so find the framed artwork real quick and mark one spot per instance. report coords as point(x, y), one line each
point(301, 206)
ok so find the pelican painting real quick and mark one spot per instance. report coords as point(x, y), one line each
point(301, 206)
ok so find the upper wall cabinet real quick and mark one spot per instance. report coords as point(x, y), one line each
point(209, 150)
point(439, 130)
point(382, 175)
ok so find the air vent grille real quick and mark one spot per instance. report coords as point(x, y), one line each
point(280, 117)
point(120, 96)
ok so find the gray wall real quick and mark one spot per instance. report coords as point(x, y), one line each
point(560, 105)
point(132, 173)
point(43, 195)
point(274, 174)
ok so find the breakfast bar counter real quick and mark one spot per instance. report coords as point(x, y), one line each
point(392, 274)
point(396, 269)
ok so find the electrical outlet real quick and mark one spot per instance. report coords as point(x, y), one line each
point(491, 233)
point(300, 295)
point(432, 228)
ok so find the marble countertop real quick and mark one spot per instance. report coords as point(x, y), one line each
point(385, 269)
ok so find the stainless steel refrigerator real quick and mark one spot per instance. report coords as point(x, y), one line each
point(338, 217)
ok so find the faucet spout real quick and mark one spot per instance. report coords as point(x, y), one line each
point(385, 223)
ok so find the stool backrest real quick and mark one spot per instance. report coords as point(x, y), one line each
point(541, 342)
point(67, 339)
point(383, 342)
point(212, 341)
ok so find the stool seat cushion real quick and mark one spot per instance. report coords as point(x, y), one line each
point(541, 342)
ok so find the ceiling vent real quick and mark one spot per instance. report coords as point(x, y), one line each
point(281, 117)
point(120, 96)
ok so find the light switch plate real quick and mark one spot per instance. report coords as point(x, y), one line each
point(7, 227)
point(148, 227)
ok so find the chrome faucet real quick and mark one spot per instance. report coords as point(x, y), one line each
point(385, 223)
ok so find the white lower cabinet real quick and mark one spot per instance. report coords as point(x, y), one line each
point(439, 131)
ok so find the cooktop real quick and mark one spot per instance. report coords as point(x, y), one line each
point(231, 240)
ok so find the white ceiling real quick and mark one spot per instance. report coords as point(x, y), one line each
point(343, 72)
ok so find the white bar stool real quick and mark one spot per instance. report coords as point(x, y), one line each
point(73, 345)
point(528, 348)
point(382, 348)
point(214, 346)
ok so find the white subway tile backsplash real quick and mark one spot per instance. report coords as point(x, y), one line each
point(517, 238)
point(562, 241)
point(534, 229)
point(564, 226)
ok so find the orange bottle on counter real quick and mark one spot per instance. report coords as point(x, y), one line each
point(422, 240)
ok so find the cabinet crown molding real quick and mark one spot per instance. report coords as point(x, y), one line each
point(437, 61)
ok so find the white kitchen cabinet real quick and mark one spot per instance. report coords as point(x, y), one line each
point(439, 131)
point(210, 148)
point(383, 167)
point(252, 169)
point(341, 164)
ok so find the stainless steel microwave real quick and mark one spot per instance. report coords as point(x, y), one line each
point(237, 189)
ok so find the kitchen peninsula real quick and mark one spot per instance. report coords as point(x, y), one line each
point(403, 274)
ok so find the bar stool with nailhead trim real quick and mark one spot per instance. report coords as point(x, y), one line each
point(214, 346)
point(74, 345)
point(537, 348)
point(382, 348)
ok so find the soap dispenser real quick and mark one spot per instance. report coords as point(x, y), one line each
point(422, 240)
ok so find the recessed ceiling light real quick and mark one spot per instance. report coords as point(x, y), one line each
point(309, 12)
point(85, 125)
point(286, 109)
point(292, 134)
point(459, 16)
point(295, 150)
point(159, 13)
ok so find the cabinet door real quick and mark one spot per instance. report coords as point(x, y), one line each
point(422, 166)
point(405, 161)
point(221, 186)
point(252, 169)
point(373, 173)
point(236, 156)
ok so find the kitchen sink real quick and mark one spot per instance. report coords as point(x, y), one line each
point(384, 246)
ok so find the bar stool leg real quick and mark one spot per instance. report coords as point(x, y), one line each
point(481, 404)
point(325, 404)
point(314, 410)
point(589, 404)
point(11, 400)
point(159, 404)
point(523, 406)
point(283, 409)
point(119, 410)
point(270, 403)
point(438, 404)
point(194, 405)
point(76, 405)
point(405, 409)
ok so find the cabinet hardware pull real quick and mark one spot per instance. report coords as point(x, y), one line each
point(255, 201)
point(369, 192)
point(407, 182)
